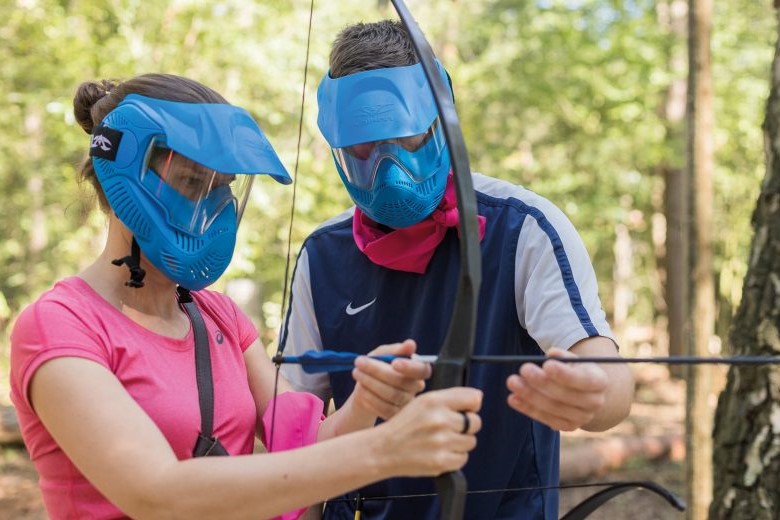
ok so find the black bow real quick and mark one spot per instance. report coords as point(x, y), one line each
point(454, 357)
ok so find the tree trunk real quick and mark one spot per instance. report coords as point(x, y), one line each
point(747, 421)
point(678, 269)
point(700, 163)
point(622, 273)
point(38, 235)
point(672, 15)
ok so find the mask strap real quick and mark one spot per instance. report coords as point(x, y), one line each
point(133, 261)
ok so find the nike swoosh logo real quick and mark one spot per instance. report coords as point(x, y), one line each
point(351, 311)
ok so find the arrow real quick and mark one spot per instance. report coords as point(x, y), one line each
point(327, 361)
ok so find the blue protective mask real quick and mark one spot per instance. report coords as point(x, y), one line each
point(178, 176)
point(389, 148)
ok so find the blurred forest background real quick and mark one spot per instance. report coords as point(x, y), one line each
point(582, 101)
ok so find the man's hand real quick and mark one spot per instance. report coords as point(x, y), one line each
point(564, 396)
point(567, 396)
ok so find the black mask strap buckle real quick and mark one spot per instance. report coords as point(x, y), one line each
point(133, 261)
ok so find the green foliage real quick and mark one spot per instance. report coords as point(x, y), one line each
point(561, 96)
point(566, 98)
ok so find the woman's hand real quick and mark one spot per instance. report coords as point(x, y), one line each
point(382, 389)
point(434, 433)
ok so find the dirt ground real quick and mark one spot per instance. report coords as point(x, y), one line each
point(20, 498)
point(658, 411)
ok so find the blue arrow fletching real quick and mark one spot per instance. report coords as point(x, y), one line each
point(326, 361)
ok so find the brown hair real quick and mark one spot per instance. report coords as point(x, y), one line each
point(95, 99)
point(367, 46)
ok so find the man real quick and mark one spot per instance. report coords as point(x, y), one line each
point(387, 270)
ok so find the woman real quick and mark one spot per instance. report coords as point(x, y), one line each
point(102, 368)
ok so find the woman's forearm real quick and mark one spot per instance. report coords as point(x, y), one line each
point(345, 420)
point(258, 486)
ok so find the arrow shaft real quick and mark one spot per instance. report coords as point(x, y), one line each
point(330, 361)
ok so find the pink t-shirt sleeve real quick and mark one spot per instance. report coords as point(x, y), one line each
point(247, 333)
point(228, 317)
point(44, 331)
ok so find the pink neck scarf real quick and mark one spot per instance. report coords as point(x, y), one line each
point(409, 249)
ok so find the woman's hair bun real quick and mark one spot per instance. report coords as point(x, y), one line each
point(87, 95)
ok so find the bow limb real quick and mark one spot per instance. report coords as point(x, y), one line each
point(593, 502)
point(451, 366)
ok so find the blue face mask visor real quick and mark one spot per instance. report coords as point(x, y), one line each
point(196, 159)
point(376, 105)
point(219, 136)
point(419, 156)
point(192, 195)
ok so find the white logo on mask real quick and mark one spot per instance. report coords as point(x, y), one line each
point(99, 141)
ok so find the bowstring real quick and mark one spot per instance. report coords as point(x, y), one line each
point(285, 286)
point(383, 498)
point(652, 486)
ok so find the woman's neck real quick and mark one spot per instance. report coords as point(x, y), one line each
point(156, 298)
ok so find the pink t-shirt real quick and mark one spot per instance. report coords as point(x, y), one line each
point(72, 320)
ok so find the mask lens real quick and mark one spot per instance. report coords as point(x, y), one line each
point(191, 194)
point(418, 155)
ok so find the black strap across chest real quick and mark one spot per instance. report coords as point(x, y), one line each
point(206, 444)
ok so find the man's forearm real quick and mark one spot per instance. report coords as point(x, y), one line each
point(618, 402)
